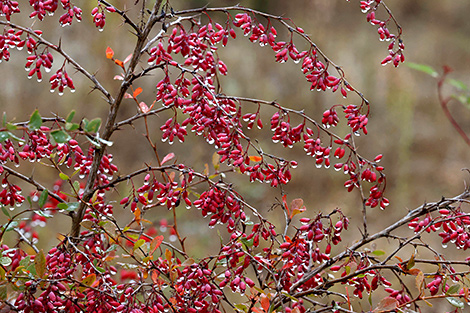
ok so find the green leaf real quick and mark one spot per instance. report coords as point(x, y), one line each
point(4, 136)
point(138, 244)
point(5, 211)
point(378, 252)
point(25, 261)
point(106, 142)
point(12, 136)
point(95, 143)
point(43, 198)
point(3, 294)
point(35, 121)
point(457, 83)
point(455, 302)
point(76, 186)
point(71, 126)
point(40, 263)
point(93, 125)
point(70, 207)
point(43, 214)
point(5, 261)
point(246, 242)
point(60, 136)
point(70, 116)
point(11, 127)
point(64, 176)
point(422, 68)
point(453, 289)
point(11, 226)
point(4, 122)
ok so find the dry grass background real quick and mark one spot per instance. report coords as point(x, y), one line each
point(423, 155)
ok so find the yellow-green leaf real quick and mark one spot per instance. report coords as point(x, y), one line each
point(40, 264)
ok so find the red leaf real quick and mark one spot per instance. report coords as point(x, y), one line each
point(109, 53)
point(137, 92)
point(167, 157)
point(156, 242)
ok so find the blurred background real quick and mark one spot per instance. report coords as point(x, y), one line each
point(423, 154)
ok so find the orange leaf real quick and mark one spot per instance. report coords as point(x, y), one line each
point(154, 276)
point(414, 271)
point(143, 107)
point(156, 242)
point(109, 53)
point(137, 92)
point(255, 158)
point(167, 157)
point(297, 206)
point(89, 280)
point(119, 62)
point(137, 215)
point(264, 303)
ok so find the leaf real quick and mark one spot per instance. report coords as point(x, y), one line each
point(43, 214)
point(71, 126)
point(378, 252)
point(387, 304)
point(216, 160)
point(60, 136)
point(254, 158)
point(43, 198)
point(109, 53)
point(119, 62)
point(188, 262)
point(87, 224)
point(168, 255)
point(70, 116)
point(137, 92)
point(414, 271)
point(35, 121)
point(128, 58)
point(11, 127)
point(4, 136)
point(422, 68)
point(11, 226)
point(138, 244)
point(264, 302)
point(106, 142)
point(89, 280)
point(411, 262)
point(297, 207)
point(5, 261)
point(453, 289)
point(64, 176)
point(155, 243)
point(455, 302)
point(69, 207)
point(143, 107)
point(92, 126)
point(40, 264)
point(5, 211)
point(167, 157)
point(457, 84)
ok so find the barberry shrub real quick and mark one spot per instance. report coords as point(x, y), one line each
point(109, 264)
